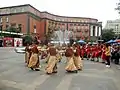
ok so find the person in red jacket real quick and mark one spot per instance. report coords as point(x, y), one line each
point(88, 51)
point(82, 52)
point(93, 53)
point(103, 56)
point(97, 51)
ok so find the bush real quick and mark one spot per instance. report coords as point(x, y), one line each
point(27, 40)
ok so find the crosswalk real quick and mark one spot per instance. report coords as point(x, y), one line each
point(20, 77)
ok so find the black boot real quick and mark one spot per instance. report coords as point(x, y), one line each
point(54, 71)
point(32, 68)
point(37, 69)
point(75, 71)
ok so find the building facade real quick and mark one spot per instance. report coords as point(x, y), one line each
point(36, 23)
point(114, 25)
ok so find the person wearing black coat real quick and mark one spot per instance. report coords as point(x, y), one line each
point(117, 55)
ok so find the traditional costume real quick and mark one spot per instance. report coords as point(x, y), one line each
point(103, 56)
point(93, 53)
point(48, 55)
point(70, 67)
point(27, 54)
point(88, 52)
point(59, 54)
point(82, 52)
point(52, 61)
point(97, 51)
point(34, 59)
point(77, 58)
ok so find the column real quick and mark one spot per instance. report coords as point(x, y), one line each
point(91, 30)
point(96, 30)
point(100, 30)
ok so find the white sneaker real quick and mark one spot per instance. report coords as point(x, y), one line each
point(108, 66)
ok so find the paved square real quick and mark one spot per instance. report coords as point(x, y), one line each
point(14, 75)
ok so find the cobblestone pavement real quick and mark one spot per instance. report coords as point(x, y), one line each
point(14, 75)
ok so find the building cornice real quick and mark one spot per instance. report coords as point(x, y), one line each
point(44, 14)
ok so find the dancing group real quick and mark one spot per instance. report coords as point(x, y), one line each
point(74, 54)
point(54, 55)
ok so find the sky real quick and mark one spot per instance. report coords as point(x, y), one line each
point(102, 10)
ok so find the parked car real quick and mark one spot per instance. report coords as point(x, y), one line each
point(20, 49)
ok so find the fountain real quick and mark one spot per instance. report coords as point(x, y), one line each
point(62, 36)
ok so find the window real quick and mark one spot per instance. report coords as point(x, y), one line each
point(78, 27)
point(116, 27)
point(1, 20)
point(1, 27)
point(7, 20)
point(20, 27)
point(13, 24)
point(74, 24)
point(86, 30)
point(7, 26)
point(52, 22)
point(71, 24)
point(55, 23)
point(79, 30)
point(74, 27)
point(22, 9)
point(15, 10)
point(82, 21)
point(34, 28)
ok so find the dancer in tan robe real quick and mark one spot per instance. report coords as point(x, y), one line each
point(48, 54)
point(70, 67)
point(59, 55)
point(52, 62)
point(27, 54)
point(77, 58)
point(34, 59)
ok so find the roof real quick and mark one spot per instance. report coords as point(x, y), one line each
point(46, 12)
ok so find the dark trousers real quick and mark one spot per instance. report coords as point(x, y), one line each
point(117, 61)
point(108, 60)
point(116, 58)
